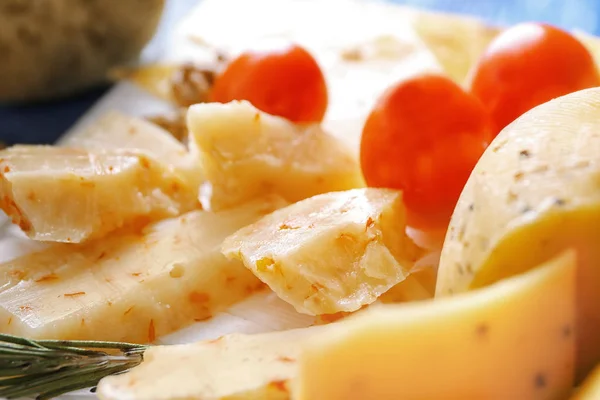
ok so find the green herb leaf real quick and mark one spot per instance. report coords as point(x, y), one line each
point(44, 369)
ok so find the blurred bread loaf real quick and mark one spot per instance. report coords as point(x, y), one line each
point(53, 48)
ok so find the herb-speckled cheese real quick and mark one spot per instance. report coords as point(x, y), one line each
point(534, 192)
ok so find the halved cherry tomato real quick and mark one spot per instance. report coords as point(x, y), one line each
point(284, 80)
point(424, 136)
point(527, 65)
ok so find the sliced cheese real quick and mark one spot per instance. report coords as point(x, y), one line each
point(333, 252)
point(514, 340)
point(131, 286)
point(67, 195)
point(115, 130)
point(233, 367)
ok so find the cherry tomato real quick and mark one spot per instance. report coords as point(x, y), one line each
point(424, 136)
point(284, 80)
point(527, 65)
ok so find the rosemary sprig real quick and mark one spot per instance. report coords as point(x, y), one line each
point(44, 369)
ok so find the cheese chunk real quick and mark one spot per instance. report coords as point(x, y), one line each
point(246, 153)
point(130, 286)
point(514, 340)
point(115, 130)
point(330, 253)
point(233, 367)
point(534, 192)
point(67, 195)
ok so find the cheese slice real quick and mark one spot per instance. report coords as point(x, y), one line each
point(130, 286)
point(68, 195)
point(115, 130)
point(233, 367)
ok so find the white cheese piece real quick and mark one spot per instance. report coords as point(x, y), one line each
point(131, 286)
point(115, 130)
point(69, 195)
point(233, 367)
point(330, 253)
point(246, 153)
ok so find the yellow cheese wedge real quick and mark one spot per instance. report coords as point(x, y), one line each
point(131, 286)
point(115, 130)
point(233, 367)
point(534, 192)
point(67, 195)
point(333, 252)
point(246, 153)
point(514, 340)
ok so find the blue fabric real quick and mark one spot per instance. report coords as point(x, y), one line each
point(44, 123)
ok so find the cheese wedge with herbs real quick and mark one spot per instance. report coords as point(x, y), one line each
point(130, 286)
point(513, 340)
point(114, 131)
point(67, 195)
point(246, 153)
point(232, 367)
point(332, 252)
point(534, 192)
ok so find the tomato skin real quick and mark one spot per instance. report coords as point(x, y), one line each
point(527, 65)
point(284, 80)
point(424, 136)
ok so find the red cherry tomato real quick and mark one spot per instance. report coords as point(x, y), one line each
point(284, 81)
point(527, 65)
point(424, 136)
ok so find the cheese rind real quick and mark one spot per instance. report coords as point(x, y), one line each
point(131, 286)
point(534, 192)
point(330, 253)
point(68, 195)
